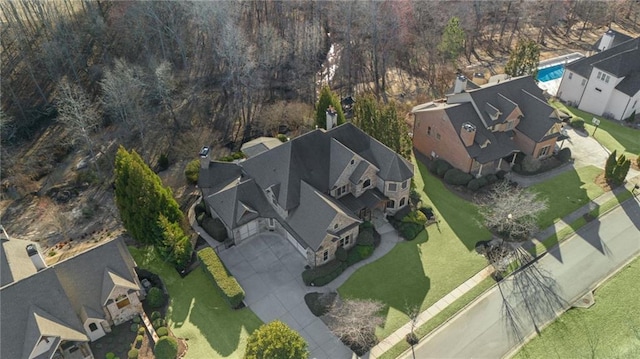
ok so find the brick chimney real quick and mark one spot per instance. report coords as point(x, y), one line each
point(468, 133)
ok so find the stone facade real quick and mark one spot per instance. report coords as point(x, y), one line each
point(126, 312)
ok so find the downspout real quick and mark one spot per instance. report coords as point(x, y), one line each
point(625, 109)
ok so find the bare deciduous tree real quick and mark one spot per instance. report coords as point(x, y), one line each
point(77, 113)
point(354, 321)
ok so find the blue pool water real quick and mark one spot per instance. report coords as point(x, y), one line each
point(550, 73)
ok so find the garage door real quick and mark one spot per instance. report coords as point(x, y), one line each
point(248, 230)
point(296, 245)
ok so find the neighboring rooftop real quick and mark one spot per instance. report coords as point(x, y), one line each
point(259, 145)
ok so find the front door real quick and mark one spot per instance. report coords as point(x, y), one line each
point(365, 214)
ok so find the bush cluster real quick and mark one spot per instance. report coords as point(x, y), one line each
point(132, 354)
point(409, 224)
point(155, 297)
point(192, 171)
point(228, 286)
point(319, 303)
point(456, 177)
point(564, 155)
point(158, 323)
point(577, 123)
point(232, 157)
point(162, 332)
point(440, 167)
point(215, 228)
point(282, 137)
point(166, 348)
point(323, 274)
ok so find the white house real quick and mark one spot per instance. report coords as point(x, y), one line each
point(607, 83)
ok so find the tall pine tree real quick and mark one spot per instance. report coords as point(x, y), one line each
point(382, 123)
point(610, 166)
point(524, 59)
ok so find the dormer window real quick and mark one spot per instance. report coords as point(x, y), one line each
point(366, 183)
point(122, 301)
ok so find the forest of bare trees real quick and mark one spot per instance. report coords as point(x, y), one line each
point(172, 65)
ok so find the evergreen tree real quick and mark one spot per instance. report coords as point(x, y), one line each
point(141, 198)
point(382, 123)
point(621, 169)
point(610, 166)
point(524, 59)
point(452, 42)
point(328, 98)
point(176, 246)
point(276, 340)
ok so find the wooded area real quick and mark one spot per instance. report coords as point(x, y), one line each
point(157, 70)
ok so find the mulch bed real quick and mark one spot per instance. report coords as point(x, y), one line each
point(603, 183)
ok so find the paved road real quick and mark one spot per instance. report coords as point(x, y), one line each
point(578, 265)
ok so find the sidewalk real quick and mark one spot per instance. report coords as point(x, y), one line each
point(400, 334)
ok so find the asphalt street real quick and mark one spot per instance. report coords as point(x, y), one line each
point(522, 304)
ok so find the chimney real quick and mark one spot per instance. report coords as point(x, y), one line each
point(36, 257)
point(332, 117)
point(607, 40)
point(468, 133)
point(461, 83)
point(204, 157)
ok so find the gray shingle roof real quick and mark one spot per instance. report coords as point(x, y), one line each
point(630, 85)
point(537, 120)
point(35, 306)
point(340, 158)
point(584, 66)
point(618, 38)
point(259, 145)
point(315, 213)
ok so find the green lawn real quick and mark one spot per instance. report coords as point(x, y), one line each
point(424, 270)
point(610, 134)
point(198, 312)
point(566, 193)
point(609, 329)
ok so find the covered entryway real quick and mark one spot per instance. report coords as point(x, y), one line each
point(363, 205)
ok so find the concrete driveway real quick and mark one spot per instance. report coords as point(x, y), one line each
point(269, 269)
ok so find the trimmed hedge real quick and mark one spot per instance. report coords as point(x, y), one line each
point(162, 332)
point(215, 228)
point(441, 167)
point(323, 274)
point(564, 155)
point(477, 183)
point(228, 286)
point(155, 297)
point(166, 348)
point(160, 322)
point(132, 354)
point(456, 177)
point(341, 254)
point(365, 237)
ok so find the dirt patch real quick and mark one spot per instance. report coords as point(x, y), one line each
point(603, 183)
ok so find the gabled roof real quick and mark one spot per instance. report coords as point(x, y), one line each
point(259, 145)
point(618, 38)
point(607, 60)
point(311, 219)
point(340, 158)
point(537, 117)
point(32, 307)
point(89, 277)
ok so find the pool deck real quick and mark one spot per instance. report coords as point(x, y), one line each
point(551, 87)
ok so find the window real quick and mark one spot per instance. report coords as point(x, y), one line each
point(93, 327)
point(404, 184)
point(543, 151)
point(392, 187)
point(325, 256)
point(402, 202)
point(366, 183)
point(341, 190)
point(584, 82)
point(570, 75)
point(391, 204)
point(353, 161)
point(122, 301)
point(429, 130)
point(438, 136)
point(509, 125)
point(345, 241)
point(607, 79)
point(335, 226)
point(599, 75)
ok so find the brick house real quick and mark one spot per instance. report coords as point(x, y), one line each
point(314, 190)
point(479, 131)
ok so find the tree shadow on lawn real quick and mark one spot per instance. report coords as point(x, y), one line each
point(398, 280)
point(194, 300)
point(460, 215)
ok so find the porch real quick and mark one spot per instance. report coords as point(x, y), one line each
point(502, 164)
point(365, 204)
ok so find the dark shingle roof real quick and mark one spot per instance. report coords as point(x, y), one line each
point(584, 66)
point(32, 307)
point(618, 38)
point(630, 85)
point(537, 120)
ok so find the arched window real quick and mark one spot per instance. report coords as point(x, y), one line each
point(402, 202)
point(93, 327)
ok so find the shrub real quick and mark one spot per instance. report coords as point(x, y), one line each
point(163, 162)
point(282, 137)
point(365, 237)
point(162, 332)
point(160, 322)
point(139, 339)
point(517, 168)
point(323, 274)
point(228, 286)
point(134, 328)
point(200, 218)
point(276, 340)
point(341, 254)
point(166, 348)
point(491, 178)
point(136, 319)
point(155, 297)
point(417, 217)
point(530, 164)
point(369, 225)
point(414, 197)
point(456, 177)
point(410, 231)
point(215, 228)
point(364, 252)
point(441, 167)
point(110, 355)
point(577, 123)
point(428, 212)
point(155, 315)
point(319, 303)
point(132, 354)
point(564, 155)
point(192, 171)
point(353, 256)
point(474, 184)
point(501, 174)
point(141, 330)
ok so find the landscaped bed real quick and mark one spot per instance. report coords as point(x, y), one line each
point(198, 313)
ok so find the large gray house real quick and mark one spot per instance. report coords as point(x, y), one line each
point(315, 190)
point(55, 311)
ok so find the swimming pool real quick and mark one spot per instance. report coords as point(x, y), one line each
point(550, 73)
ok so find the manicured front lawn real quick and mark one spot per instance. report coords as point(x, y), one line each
point(566, 193)
point(424, 270)
point(198, 312)
point(610, 134)
point(609, 329)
